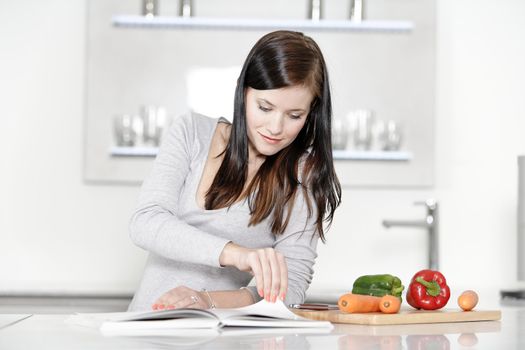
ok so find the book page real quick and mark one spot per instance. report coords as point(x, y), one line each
point(96, 320)
point(165, 315)
point(263, 308)
point(266, 314)
point(261, 314)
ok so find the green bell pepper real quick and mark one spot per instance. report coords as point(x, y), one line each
point(378, 285)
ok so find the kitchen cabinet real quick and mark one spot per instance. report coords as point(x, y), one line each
point(391, 74)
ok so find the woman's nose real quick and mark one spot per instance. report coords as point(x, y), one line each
point(275, 124)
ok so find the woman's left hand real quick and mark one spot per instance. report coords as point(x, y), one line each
point(181, 297)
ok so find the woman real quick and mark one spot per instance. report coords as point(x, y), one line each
point(226, 203)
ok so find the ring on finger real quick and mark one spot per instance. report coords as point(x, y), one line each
point(194, 299)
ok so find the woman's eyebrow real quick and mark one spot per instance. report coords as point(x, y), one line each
point(266, 101)
point(271, 104)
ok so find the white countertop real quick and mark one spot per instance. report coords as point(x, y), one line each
point(7, 320)
point(49, 331)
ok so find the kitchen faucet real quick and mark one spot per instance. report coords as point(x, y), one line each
point(430, 223)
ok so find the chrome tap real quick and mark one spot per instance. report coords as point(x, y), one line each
point(430, 223)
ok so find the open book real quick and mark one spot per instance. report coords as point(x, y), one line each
point(262, 314)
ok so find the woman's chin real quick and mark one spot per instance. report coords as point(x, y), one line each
point(269, 151)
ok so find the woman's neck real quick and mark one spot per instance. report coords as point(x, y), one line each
point(254, 157)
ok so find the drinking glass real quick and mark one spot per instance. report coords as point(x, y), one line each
point(340, 131)
point(150, 8)
point(362, 121)
point(154, 119)
point(392, 136)
point(124, 132)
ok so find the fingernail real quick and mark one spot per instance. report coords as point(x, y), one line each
point(260, 292)
point(161, 306)
point(154, 306)
point(282, 297)
point(274, 298)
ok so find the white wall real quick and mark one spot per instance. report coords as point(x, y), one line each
point(58, 234)
point(480, 129)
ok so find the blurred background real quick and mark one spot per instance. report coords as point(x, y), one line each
point(428, 101)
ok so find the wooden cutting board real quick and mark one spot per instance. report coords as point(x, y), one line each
point(403, 317)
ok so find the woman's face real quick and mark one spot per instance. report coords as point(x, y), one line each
point(274, 118)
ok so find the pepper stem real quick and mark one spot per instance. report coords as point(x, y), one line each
point(433, 288)
point(397, 290)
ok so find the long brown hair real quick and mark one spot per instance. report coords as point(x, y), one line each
point(282, 59)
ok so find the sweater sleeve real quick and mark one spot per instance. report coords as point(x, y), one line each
point(298, 244)
point(154, 225)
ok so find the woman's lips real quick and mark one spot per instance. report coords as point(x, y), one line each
point(269, 139)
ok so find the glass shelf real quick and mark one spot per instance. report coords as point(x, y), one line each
point(338, 154)
point(372, 155)
point(117, 151)
point(175, 22)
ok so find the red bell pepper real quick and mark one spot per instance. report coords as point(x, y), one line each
point(428, 290)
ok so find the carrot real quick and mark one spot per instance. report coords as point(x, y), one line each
point(357, 303)
point(468, 300)
point(390, 304)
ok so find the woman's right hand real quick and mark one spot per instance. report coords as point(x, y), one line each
point(267, 265)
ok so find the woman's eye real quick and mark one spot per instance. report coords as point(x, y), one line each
point(295, 116)
point(264, 109)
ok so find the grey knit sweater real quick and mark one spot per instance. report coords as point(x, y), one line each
point(185, 241)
